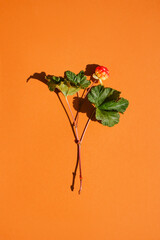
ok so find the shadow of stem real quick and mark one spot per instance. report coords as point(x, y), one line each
point(90, 68)
point(75, 170)
point(42, 78)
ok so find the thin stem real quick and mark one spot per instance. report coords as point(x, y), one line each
point(80, 104)
point(70, 109)
point(66, 114)
point(83, 93)
point(79, 147)
point(89, 89)
point(77, 138)
point(75, 170)
point(77, 115)
point(81, 139)
point(85, 128)
point(80, 168)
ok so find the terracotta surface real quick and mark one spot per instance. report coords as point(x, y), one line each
point(120, 199)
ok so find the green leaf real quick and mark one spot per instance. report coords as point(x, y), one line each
point(56, 79)
point(107, 118)
point(51, 86)
point(119, 105)
point(79, 76)
point(108, 105)
point(98, 94)
point(84, 83)
point(69, 85)
point(72, 90)
point(63, 87)
point(67, 89)
point(53, 81)
point(113, 95)
point(70, 76)
point(80, 80)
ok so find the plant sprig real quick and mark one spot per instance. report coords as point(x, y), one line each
point(106, 101)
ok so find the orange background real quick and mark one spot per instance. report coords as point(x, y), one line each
point(120, 199)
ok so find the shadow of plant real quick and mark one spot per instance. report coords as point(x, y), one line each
point(83, 106)
point(90, 69)
point(79, 104)
point(38, 76)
